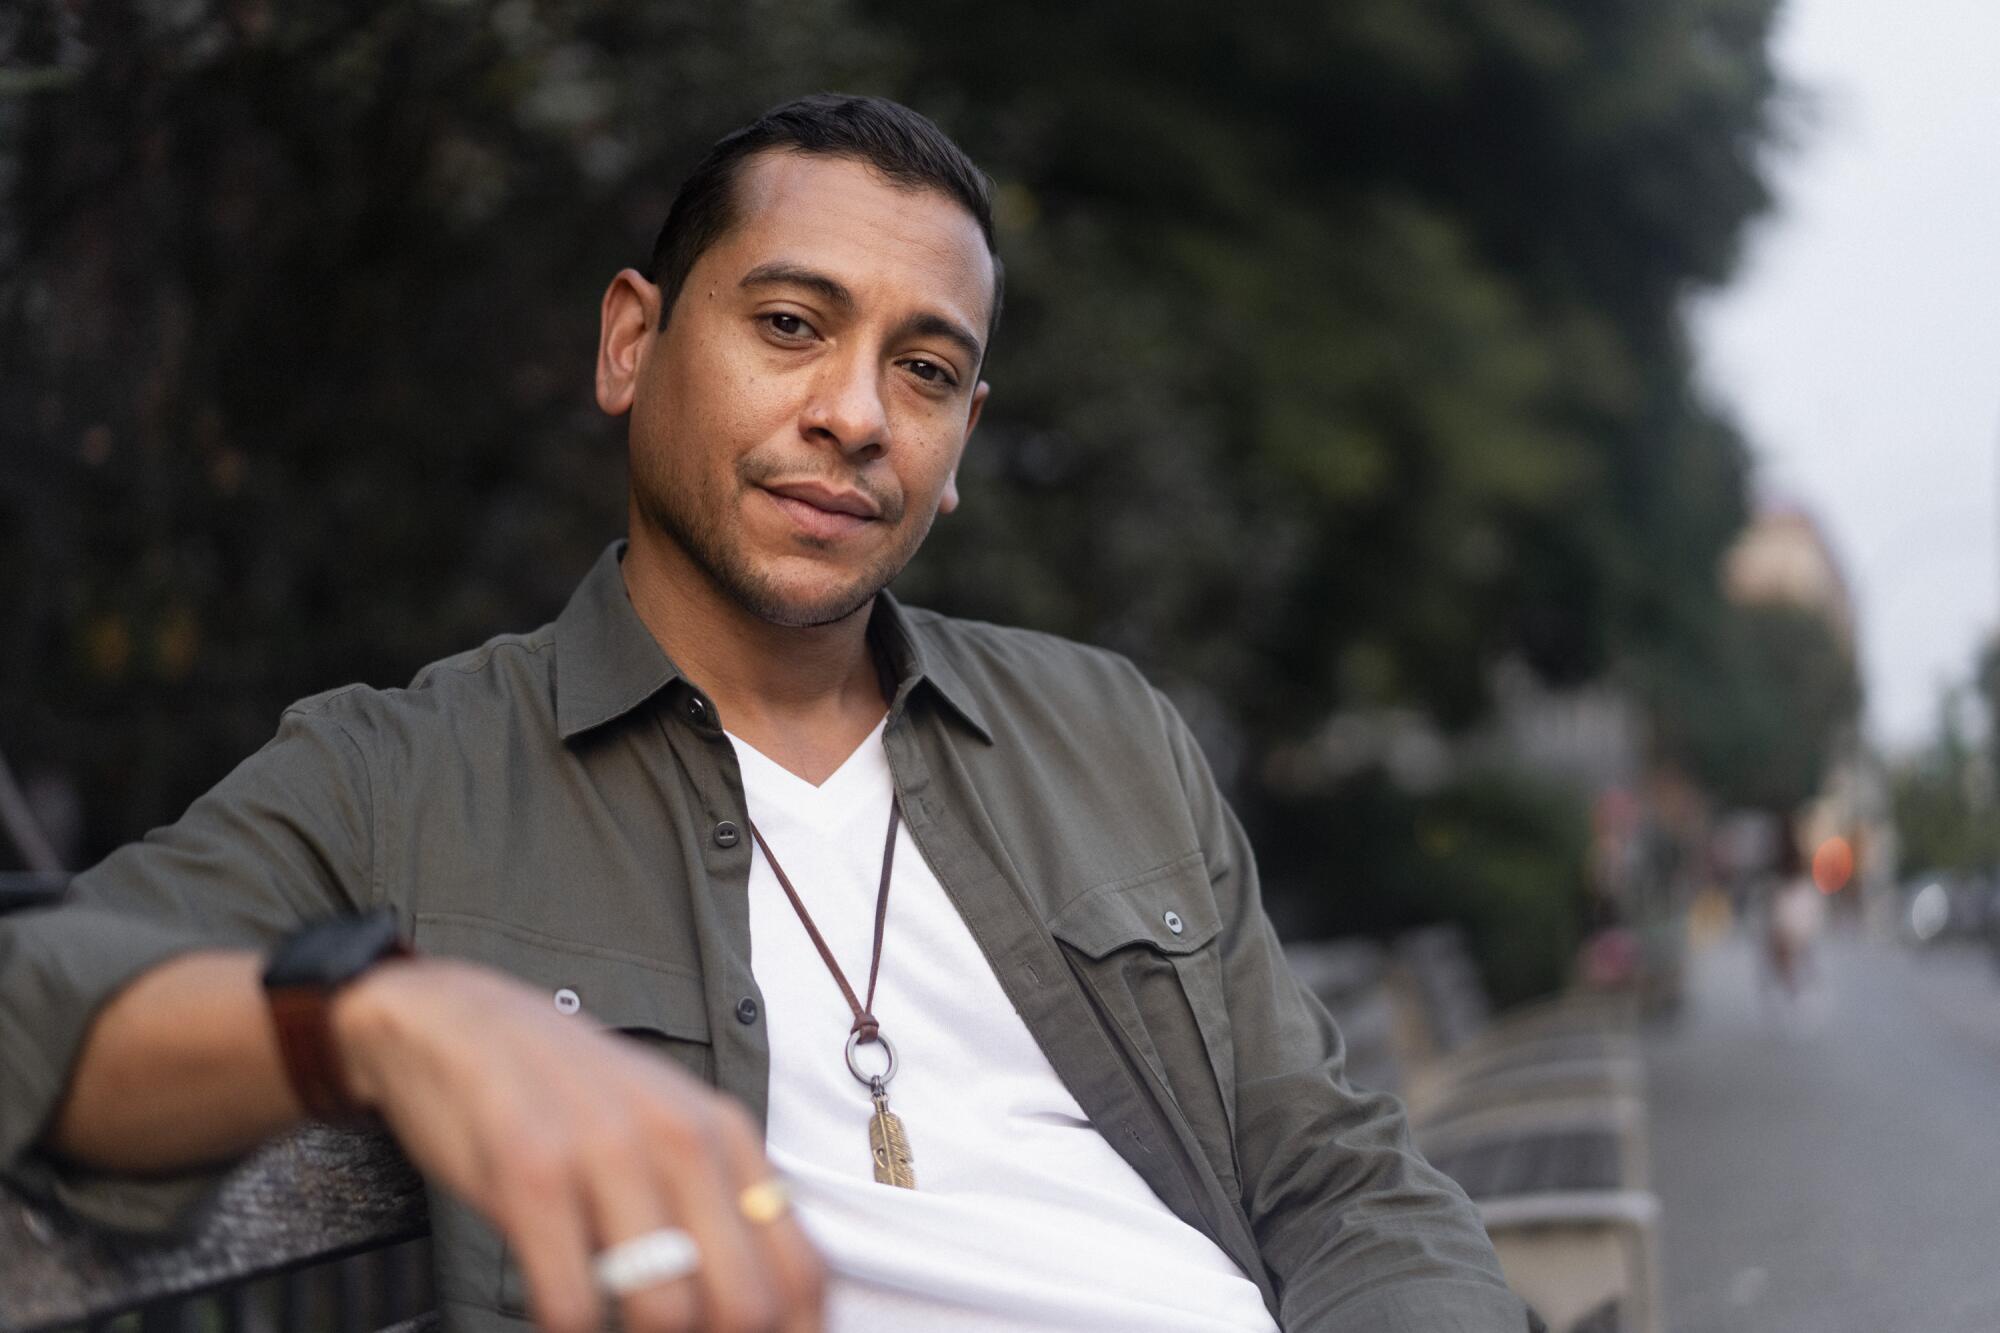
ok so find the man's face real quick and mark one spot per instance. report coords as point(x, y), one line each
point(798, 422)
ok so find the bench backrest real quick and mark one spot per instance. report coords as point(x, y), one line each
point(1449, 991)
point(1347, 976)
point(306, 1198)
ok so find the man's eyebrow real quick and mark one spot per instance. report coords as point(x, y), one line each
point(932, 325)
point(781, 273)
point(778, 273)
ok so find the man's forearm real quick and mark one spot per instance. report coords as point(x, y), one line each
point(567, 1136)
point(180, 1068)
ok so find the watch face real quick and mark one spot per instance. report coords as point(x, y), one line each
point(331, 952)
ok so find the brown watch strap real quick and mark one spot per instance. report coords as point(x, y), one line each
point(303, 1018)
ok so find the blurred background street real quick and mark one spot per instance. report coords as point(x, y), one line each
point(1830, 1165)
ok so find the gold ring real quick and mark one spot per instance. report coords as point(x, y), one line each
point(765, 1201)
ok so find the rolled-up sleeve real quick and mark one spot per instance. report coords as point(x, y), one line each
point(1358, 1230)
point(285, 838)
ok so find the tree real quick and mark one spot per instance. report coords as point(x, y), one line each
point(1377, 308)
point(1765, 710)
point(1946, 807)
point(1344, 354)
point(294, 340)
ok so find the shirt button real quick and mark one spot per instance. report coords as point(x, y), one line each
point(1173, 920)
point(697, 709)
point(726, 834)
point(567, 1001)
point(746, 1011)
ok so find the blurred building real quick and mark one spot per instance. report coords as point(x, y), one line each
point(1783, 557)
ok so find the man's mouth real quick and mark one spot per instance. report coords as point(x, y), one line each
point(833, 500)
point(822, 512)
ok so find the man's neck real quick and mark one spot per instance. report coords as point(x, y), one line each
point(804, 697)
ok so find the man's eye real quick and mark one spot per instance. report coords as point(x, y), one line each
point(787, 326)
point(930, 372)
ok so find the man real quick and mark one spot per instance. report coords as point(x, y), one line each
point(1015, 1037)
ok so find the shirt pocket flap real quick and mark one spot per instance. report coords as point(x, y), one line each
point(1170, 907)
point(623, 991)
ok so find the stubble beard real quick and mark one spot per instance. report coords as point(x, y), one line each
point(696, 523)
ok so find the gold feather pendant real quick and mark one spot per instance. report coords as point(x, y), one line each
point(893, 1163)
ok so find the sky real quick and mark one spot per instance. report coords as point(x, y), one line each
point(1859, 344)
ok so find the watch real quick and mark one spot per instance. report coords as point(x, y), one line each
point(301, 977)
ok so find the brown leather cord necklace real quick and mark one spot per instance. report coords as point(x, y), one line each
point(886, 1140)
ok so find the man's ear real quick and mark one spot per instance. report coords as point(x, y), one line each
point(626, 322)
point(949, 500)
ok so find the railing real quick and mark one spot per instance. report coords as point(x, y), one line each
point(321, 1231)
point(1539, 1115)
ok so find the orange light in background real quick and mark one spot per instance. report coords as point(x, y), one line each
point(1833, 865)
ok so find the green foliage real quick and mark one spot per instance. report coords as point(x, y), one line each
point(297, 324)
point(1344, 355)
point(1499, 853)
point(1946, 811)
point(1759, 716)
point(1374, 308)
point(1986, 685)
point(1509, 864)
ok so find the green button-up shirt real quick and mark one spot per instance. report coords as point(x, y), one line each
point(563, 805)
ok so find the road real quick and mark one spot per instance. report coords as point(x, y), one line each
point(1835, 1167)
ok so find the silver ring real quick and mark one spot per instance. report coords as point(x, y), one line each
point(868, 1080)
point(647, 1259)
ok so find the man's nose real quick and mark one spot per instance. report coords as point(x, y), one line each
point(846, 408)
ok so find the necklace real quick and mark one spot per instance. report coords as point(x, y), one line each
point(887, 1143)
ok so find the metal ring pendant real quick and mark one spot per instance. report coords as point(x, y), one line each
point(870, 1080)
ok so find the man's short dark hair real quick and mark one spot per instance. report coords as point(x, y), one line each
point(903, 145)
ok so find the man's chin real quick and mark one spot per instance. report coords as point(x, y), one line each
point(807, 607)
point(781, 588)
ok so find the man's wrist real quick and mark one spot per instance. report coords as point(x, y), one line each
point(303, 978)
point(361, 1020)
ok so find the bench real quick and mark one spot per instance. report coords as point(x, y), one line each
point(319, 1230)
point(323, 1230)
point(1539, 1115)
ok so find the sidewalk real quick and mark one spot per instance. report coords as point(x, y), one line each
point(1838, 1168)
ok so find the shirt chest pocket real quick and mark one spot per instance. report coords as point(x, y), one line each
point(1148, 949)
point(659, 1005)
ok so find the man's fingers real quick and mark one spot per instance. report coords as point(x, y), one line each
point(735, 1286)
point(627, 1202)
point(797, 1272)
point(546, 1223)
point(572, 1142)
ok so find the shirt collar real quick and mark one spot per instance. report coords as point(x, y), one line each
point(912, 663)
point(608, 662)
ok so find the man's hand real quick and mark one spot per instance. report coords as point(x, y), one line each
point(571, 1139)
point(568, 1138)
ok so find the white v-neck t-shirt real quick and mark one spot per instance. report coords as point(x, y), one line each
point(1024, 1217)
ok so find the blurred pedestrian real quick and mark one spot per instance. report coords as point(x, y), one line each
point(1792, 924)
